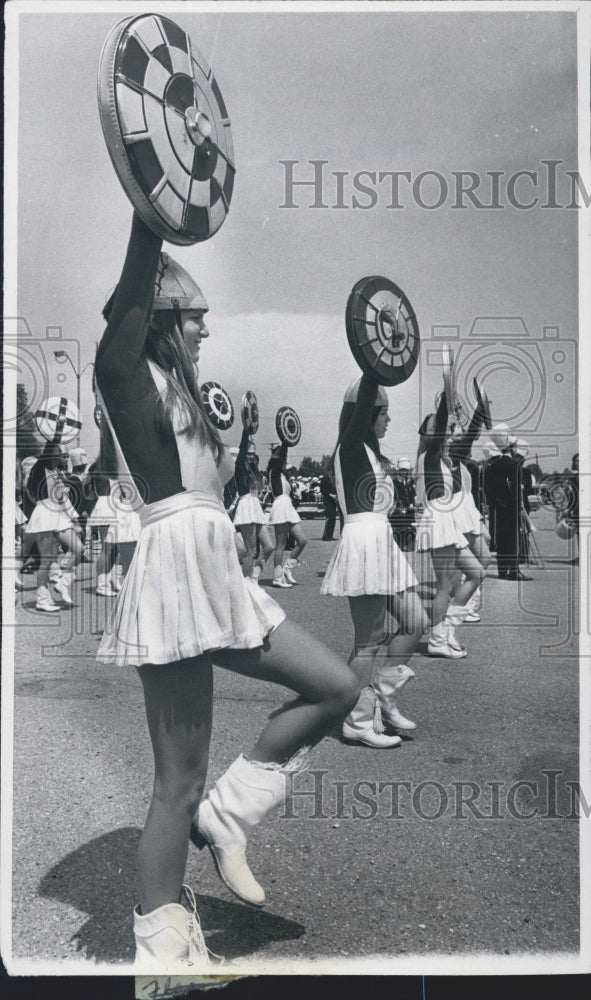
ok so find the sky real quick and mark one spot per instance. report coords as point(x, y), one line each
point(395, 90)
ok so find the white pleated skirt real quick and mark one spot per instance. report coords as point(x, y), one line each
point(184, 592)
point(283, 511)
point(126, 528)
point(437, 528)
point(249, 511)
point(467, 516)
point(50, 516)
point(367, 560)
point(19, 515)
point(104, 512)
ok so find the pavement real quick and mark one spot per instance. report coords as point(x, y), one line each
point(462, 841)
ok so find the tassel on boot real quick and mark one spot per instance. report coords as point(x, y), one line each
point(169, 939)
point(364, 723)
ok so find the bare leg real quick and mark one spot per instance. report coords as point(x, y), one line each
point(126, 551)
point(474, 574)
point(295, 659)
point(408, 610)
point(369, 614)
point(301, 540)
point(47, 546)
point(444, 563)
point(267, 544)
point(280, 542)
point(249, 535)
point(178, 699)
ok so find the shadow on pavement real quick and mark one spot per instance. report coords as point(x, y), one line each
point(99, 879)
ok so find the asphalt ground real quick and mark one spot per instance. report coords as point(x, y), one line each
point(352, 872)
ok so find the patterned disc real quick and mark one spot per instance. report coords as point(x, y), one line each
point(167, 128)
point(218, 405)
point(250, 412)
point(382, 330)
point(58, 419)
point(288, 426)
point(483, 402)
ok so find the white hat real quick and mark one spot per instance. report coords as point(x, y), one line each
point(234, 451)
point(78, 457)
point(404, 463)
point(490, 449)
point(353, 390)
point(500, 434)
point(521, 446)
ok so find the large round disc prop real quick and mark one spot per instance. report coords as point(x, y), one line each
point(382, 330)
point(250, 412)
point(483, 403)
point(167, 128)
point(58, 419)
point(217, 405)
point(288, 426)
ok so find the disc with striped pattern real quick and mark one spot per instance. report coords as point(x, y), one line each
point(166, 127)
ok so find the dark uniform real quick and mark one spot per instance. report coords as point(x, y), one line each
point(503, 493)
point(329, 499)
point(403, 516)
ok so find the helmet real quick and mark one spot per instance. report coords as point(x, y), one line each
point(353, 390)
point(174, 289)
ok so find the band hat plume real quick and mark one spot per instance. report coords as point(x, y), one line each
point(500, 434)
point(174, 288)
point(353, 391)
point(404, 463)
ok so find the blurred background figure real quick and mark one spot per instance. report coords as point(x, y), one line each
point(329, 499)
point(402, 517)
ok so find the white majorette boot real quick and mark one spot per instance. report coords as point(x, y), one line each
point(63, 584)
point(279, 578)
point(44, 600)
point(364, 723)
point(256, 574)
point(387, 681)
point(454, 617)
point(288, 565)
point(55, 571)
point(170, 939)
point(103, 586)
point(438, 643)
point(115, 577)
point(473, 606)
point(244, 796)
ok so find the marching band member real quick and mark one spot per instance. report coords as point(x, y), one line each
point(185, 604)
point(440, 492)
point(53, 522)
point(249, 517)
point(284, 518)
point(368, 567)
point(504, 486)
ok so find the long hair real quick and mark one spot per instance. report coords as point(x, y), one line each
point(371, 440)
point(166, 348)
